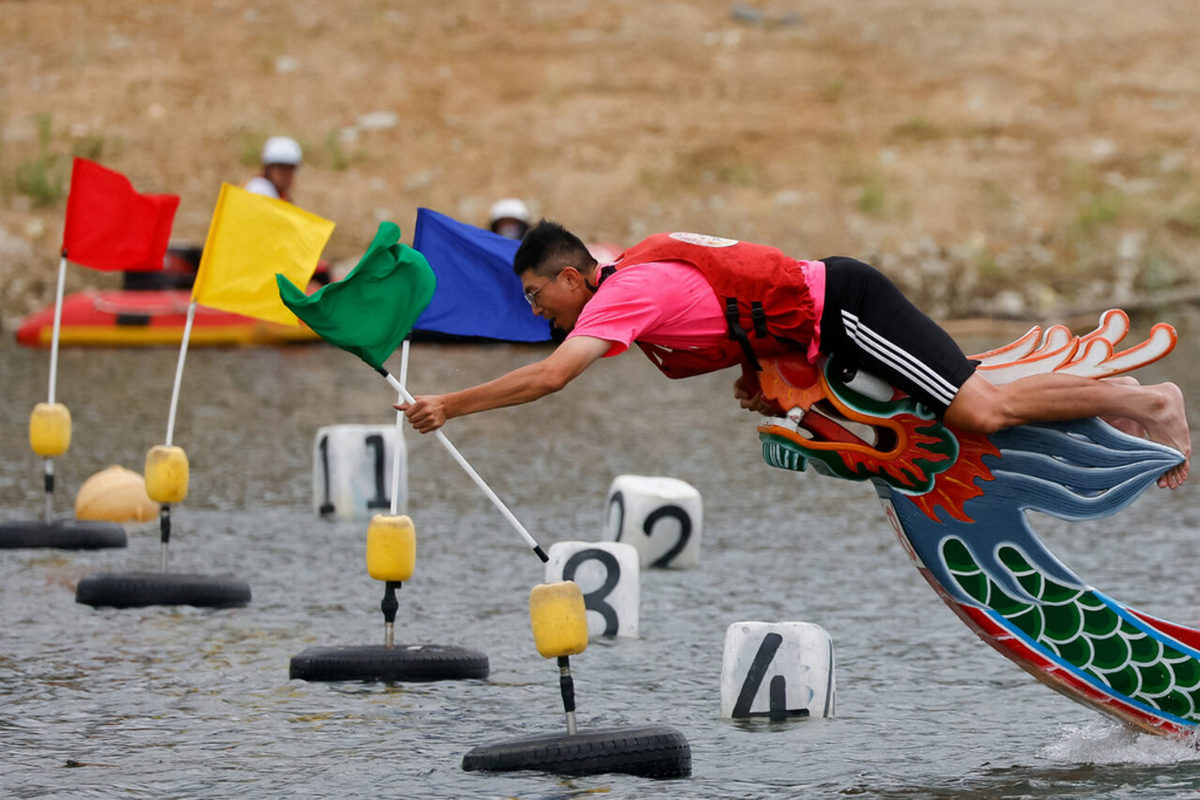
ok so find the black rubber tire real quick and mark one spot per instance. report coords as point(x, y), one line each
point(653, 751)
point(403, 662)
point(134, 589)
point(66, 534)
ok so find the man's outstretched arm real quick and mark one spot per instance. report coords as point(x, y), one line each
point(523, 385)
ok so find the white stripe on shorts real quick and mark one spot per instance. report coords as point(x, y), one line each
point(898, 359)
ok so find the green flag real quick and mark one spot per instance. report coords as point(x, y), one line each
point(371, 310)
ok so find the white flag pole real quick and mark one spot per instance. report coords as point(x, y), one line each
point(399, 432)
point(183, 346)
point(58, 304)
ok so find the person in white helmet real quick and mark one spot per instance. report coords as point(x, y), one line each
point(280, 158)
point(509, 218)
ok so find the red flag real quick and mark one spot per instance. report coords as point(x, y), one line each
point(110, 226)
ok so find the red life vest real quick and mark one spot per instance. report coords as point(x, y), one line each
point(768, 307)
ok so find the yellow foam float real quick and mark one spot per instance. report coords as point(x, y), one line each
point(166, 473)
point(558, 616)
point(391, 548)
point(115, 494)
point(50, 429)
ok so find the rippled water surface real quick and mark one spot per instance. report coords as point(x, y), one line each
point(184, 702)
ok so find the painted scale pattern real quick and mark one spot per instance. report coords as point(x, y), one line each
point(1087, 631)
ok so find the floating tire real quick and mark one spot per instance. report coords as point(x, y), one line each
point(654, 751)
point(402, 662)
point(134, 589)
point(66, 534)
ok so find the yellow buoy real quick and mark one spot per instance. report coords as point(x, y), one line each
point(115, 494)
point(391, 548)
point(166, 474)
point(50, 429)
point(559, 618)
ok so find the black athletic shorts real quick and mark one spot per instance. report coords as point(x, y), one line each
point(869, 324)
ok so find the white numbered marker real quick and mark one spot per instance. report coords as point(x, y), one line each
point(608, 574)
point(661, 517)
point(777, 670)
point(352, 471)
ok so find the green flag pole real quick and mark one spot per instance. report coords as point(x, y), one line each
point(462, 462)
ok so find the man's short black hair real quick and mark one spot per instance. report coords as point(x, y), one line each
point(548, 247)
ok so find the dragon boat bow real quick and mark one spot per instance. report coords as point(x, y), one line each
point(957, 503)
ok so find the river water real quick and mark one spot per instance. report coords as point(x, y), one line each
point(184, 702)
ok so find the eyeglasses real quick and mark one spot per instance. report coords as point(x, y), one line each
point(531, 297)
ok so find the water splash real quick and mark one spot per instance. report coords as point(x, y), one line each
point(1103, 742)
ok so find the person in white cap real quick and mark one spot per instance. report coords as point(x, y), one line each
point(280, 158)
point(509, 218)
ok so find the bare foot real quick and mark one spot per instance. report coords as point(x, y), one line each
point(1125, 424)
point(1171, 428)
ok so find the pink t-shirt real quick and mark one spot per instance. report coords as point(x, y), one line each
point(666, 302)
point(669, 303)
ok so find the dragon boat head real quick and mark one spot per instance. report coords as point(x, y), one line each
point(852, 425)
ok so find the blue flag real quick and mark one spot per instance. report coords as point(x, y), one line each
point(477, 293)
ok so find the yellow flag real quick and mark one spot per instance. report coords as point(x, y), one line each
point(250, 239)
